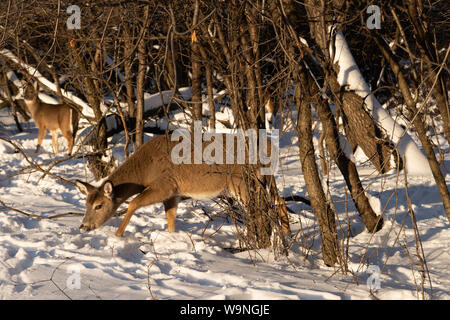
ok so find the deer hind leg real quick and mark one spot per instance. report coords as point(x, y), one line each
point(69, 137)
point(170, 206)
point(238, 189)
point(282, 213)
point(280, 206)
point(55, 141)
point(155, 193)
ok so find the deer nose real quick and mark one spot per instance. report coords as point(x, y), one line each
point(84, 228)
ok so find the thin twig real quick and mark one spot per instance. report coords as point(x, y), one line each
point(149, 287)
point(32, 215)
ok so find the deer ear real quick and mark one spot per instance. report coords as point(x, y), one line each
point(83, 187)
point(108, 189)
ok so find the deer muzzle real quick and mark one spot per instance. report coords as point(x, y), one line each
point(85, 228)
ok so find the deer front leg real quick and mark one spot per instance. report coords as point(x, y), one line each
point(55, 142)
point(69, 137)
point(156, 193)
point(41, 135)
point(170, 206)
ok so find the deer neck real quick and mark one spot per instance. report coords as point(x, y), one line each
point(125, 190)
point(32, 105)
point(127, 179)
point(124, 175)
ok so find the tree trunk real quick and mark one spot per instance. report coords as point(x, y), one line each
point(361, 129)
point(319, 203)
point(140, 83)
point(140, 89)
point(196, 68)
point(209, 87)
point(130, 96)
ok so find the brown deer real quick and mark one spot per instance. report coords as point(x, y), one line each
point(151, 173)
point(51, 117)
point(271, 108)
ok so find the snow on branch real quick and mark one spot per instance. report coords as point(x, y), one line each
point(351, 77)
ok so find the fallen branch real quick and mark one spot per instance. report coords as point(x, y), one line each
point(297, 198)
point(32, 215)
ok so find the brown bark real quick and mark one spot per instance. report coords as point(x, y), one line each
point(253, 23)
point(140, 93)
point(140, 83)
point(361, 130)
point(172, 76)
point(249, 71)
point(319, 203)
point(209, 88)
point(196, 68)
point(128, 50)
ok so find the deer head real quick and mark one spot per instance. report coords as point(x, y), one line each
point(100, 204)
point(30, 92)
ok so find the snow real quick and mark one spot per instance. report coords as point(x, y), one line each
point(43, 258)
point(350, 76)
point(152, 101)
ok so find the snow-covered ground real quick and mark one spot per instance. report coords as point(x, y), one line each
point(44, 258)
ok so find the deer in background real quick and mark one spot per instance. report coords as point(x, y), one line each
point(271, 108)
point(51, 117)
point(151, 173)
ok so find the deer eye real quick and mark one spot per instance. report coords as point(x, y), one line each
point(98, 207)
